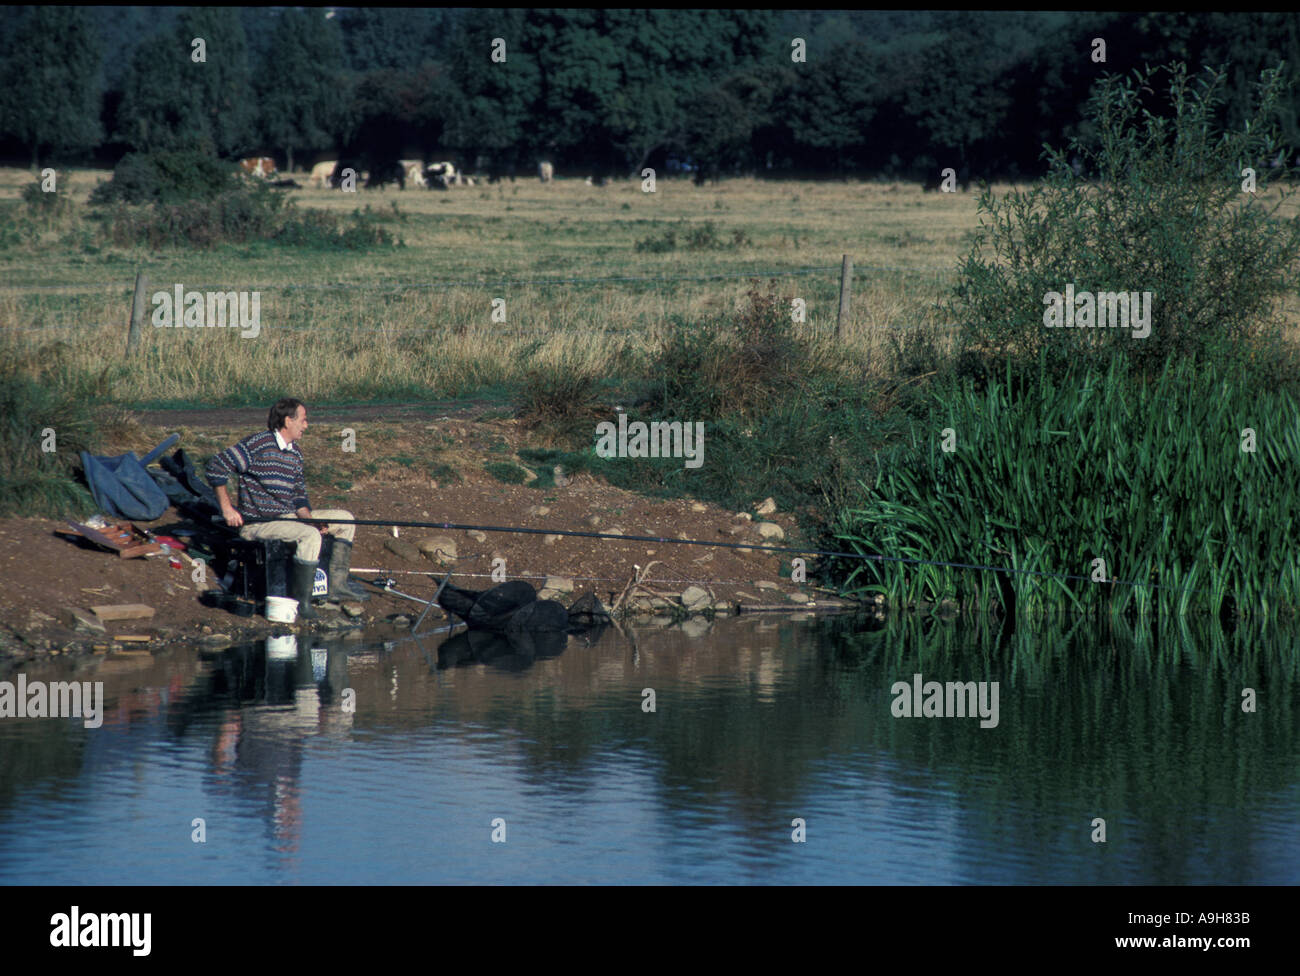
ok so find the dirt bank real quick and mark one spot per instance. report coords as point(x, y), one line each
point(408, 464)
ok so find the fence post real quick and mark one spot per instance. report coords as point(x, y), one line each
point(846, 295)
point(137, 314)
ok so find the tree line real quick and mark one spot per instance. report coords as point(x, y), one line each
point(896, 93)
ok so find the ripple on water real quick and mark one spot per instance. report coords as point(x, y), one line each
point(753, 730)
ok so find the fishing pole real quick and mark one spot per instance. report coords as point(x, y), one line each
point(454, 526)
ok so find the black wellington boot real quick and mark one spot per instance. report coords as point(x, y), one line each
point(341, 588)
point(304, 578)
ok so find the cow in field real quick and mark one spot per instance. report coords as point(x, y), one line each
point(263, 167)
point(441, 176)
point(414, 171)
point(545, 172)
point(321, 173)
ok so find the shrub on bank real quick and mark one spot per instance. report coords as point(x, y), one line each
point(778, 420)
point(1156, 206)
point(731, 368)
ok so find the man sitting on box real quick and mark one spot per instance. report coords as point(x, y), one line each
point(268, 466)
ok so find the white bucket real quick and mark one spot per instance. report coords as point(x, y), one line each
point(281, 610)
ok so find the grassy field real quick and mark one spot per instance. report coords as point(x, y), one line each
point(386, 323)
point(414, 320)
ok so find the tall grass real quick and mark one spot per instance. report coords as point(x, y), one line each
point(34, 416)
point(1149, 476)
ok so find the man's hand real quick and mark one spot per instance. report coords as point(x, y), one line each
point(321, 527)
point(228, 512)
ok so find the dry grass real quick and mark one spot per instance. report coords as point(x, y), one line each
point(339, 325)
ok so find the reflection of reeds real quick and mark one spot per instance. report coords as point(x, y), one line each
point(1149, 477)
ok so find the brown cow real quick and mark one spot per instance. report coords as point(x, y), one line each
point(262, 167)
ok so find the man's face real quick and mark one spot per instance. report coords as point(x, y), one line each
point(295, 426)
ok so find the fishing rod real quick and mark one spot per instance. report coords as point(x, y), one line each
point(454, 526)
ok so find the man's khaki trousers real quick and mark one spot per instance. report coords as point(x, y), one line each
point(291, 529)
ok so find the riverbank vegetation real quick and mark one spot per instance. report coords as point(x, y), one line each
point(940, 421)
point(1100, 468)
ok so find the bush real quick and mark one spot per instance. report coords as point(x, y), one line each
point(249, 212)
point(34, 213)
point(559, 401)
point(1163, 212)
point(325, 231)
point(236, 216)
point(504, 471)
point(44, 206)
point(694, 237)
point(167, 177)
point(190, 199)
point(736, 368)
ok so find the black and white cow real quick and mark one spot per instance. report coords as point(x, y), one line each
point(440, 176)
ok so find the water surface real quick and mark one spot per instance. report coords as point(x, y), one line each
point(335, 762)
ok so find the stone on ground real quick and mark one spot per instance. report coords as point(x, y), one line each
point(403, 549)
point(694, 598)
point(84, 622)
point(439, 547)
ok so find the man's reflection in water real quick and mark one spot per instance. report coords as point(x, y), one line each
point(276, 696)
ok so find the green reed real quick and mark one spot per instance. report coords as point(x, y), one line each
point(1155, 477)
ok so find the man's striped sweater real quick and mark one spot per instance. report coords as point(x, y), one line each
point(271, 481)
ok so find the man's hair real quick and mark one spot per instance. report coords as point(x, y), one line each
point(282, 411)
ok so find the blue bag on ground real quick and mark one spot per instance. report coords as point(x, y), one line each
point(121, 486)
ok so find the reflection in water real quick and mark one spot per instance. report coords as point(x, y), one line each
point(510, 651)
point(325, 762)
point(268, 699)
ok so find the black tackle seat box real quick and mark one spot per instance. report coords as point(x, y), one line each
point(266, 566)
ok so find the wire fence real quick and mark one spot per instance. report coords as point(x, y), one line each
point(398, 287)
point(482, 283)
